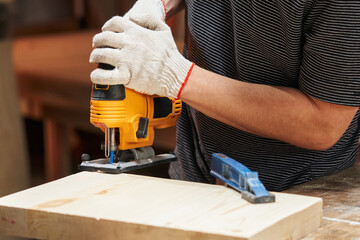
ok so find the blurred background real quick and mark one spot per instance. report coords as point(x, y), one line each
point(45, 88)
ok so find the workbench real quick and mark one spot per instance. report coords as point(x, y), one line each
point(341, 204)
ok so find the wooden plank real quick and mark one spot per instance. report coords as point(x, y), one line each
point(92, 205)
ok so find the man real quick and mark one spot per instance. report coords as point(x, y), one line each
point(272, 84)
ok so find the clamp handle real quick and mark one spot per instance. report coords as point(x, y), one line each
point(239, 177)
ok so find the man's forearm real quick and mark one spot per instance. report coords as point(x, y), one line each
point(280, 113)
point(173, 7)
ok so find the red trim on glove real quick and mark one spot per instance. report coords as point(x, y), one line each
point(185, 81)
point(164, 9)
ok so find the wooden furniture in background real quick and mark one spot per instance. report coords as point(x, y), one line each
point(13, 158)
point(53, 78)
point(91, 205)
point(14, 171)
point(44, 16)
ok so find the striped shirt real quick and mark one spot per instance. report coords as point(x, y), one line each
point(310, 45)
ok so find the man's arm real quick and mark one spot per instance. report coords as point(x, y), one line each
point(280, 113)
point(173, 7)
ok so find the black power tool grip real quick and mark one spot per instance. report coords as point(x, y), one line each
point(107, 92)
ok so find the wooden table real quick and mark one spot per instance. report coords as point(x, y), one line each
point(341, 196)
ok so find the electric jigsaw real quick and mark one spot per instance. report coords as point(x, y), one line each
point(128, 119)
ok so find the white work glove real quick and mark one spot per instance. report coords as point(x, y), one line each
point(144, 9)
point(144, 55)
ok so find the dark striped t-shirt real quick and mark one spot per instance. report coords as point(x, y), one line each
point(310, 45)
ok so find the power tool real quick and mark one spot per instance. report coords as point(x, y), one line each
point(128, 119)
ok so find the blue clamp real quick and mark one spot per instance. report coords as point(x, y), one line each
point(239, 177)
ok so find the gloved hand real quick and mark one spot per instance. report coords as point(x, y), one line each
point(144, 55)
point(144, 9)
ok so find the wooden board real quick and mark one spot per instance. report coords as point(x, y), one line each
point(91, 205)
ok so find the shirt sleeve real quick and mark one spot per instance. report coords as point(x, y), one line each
point(330, 65)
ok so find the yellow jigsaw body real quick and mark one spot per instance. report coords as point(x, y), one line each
point(125, 116)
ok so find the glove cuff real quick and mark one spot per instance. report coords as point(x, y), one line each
point(160, 4)
point(163, 9)
point(185, 81)
point(177, 72)
point(144, 5)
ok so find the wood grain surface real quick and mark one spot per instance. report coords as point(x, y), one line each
point(92, 205)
